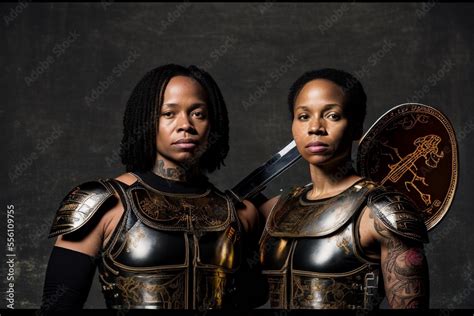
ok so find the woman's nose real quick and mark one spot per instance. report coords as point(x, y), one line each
point(184, 123)
point(317, 127)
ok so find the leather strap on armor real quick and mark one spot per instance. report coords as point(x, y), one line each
point(79, 206)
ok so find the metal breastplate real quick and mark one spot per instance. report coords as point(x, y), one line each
point(172, 251)
point(311, 255)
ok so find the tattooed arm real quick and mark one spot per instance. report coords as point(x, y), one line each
point(404, 269)
point(403, 262)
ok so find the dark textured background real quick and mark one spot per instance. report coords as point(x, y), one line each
point(61, 128)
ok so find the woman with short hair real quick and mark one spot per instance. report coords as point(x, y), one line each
point(343, 240)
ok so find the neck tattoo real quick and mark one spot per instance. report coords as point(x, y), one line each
point(171, 173)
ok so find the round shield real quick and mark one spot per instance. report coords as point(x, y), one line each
point(413, 148)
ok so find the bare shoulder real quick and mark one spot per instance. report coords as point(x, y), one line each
point(373, 235)
point(368, 235)
point(266, 207)
point(127, 178)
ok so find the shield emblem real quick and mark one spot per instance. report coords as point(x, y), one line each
point(413, 148)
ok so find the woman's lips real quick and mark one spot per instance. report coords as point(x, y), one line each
point(317, 147)
point(185, 144)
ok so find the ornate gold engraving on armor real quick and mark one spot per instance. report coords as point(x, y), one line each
point(413, 148)
point(172, 252)
point(276, 287)
point(162, 291)
point(319, 270)
point(296, 218)
point(314, 292)
point(181, 212)
point(343, 244)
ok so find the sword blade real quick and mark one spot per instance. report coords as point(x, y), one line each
point(255, 182)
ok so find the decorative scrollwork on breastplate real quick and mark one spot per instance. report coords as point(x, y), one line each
point(310, 252)
point(293, 217)
point(172, 251)
point(208, 212)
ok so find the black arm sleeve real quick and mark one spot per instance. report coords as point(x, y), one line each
point(68, 280)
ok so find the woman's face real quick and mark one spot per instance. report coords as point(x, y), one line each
point(184, 125)
point(320, 126)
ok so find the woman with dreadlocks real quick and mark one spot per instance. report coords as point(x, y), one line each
point(161, 235)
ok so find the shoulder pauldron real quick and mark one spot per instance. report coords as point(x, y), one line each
point(398, 214)
point(79, 206)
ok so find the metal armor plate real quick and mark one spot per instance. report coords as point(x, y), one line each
point(79, 206)
point(172, 251)
point(314, 262)
point(292, 217)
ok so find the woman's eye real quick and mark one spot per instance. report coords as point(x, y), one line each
point(334, 116)
point(167, 114)
point(198, 115)
point(303, 117)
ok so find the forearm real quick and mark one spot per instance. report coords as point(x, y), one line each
point(68, 280)
point(406, 278)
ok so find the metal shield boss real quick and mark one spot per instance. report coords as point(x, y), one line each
point(413, 148)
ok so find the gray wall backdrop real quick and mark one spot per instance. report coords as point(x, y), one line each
point(68, 69)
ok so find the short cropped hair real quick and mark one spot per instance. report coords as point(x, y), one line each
point(356, 99)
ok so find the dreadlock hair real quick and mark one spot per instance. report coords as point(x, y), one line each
point(140, 122)
point(355, 97)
